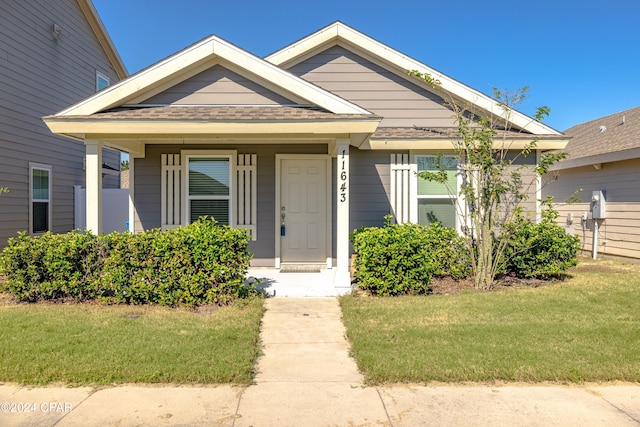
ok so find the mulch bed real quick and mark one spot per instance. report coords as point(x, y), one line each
point(449, 286)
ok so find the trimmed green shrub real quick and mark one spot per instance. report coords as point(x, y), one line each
point(202, 263)
point(448, 251)
point(52, 266)
point(543, 250)
point(402, 259)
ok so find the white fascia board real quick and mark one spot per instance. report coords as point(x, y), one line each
point(305, 45)
point(192, 58)
point(116, 128)
point(101, 33)
point(404, 64)
point(616, 156)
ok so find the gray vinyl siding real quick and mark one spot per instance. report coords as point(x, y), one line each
point(621, 228)
point(369, 188)
point(40, 75)
point(218, 86)
point(401, 102)
point(524, 166)
point(148, 192)
point(368, 191)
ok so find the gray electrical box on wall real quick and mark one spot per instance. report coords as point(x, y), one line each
point(598, 205)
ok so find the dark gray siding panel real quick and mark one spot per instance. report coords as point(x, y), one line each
point(369, 188)
point(218, 86)
point(380, 91)
point(147, 188)
point(41, 74)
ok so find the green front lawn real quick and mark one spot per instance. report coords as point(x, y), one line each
point(586, 328)
point(83, 344)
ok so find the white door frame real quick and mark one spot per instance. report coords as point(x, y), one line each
point(327, 158)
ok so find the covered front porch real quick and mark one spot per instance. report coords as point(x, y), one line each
point(264, 194)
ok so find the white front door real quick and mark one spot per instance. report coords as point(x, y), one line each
point(303, 210)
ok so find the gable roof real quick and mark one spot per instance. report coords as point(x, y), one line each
point(196, 58)
point(605, 139)
point(91, 14)
point(341, 34)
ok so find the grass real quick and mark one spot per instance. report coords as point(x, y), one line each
point(83, 344)
point(584, 329)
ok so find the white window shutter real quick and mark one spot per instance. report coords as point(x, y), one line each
point(171, 187)
point(247, 195)
point(401, 203)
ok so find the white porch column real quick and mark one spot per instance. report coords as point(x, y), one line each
point(342, 192)
point(94, 185)
point(132, 199)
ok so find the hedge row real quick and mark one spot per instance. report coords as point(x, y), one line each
point(202, 263)
point(402, 259)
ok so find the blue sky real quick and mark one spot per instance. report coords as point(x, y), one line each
point(580, 58)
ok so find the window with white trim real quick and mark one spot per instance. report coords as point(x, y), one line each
point(437, 201)
point(40, 198)
point(102, 81)
point(208, 182)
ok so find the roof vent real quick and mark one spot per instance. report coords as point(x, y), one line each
point(624, 119)
point(602, 128)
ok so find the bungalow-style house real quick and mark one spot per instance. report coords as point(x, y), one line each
point(603, 164)
point(52, 53)
point(300, 147)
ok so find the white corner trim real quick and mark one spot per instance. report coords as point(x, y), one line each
point(343, 200)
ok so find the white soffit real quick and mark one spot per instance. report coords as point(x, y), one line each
point(339, 33)
point(194, 59)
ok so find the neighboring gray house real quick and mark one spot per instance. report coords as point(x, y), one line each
point(52, 53)
point(604, 155)
point(300, 148)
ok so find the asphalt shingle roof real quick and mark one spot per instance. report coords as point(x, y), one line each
point(223, 113)
point(604, 135)
point(436, 133)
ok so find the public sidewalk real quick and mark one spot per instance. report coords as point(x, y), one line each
point(306, 378)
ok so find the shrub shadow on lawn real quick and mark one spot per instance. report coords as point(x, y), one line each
point(261, 284)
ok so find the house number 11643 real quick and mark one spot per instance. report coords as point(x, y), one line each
point(343, 178)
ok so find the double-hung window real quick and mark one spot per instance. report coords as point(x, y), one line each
point(209, 187)
point(40, 198)
point(437, 201)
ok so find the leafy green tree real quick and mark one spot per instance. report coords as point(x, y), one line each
point(493, 185)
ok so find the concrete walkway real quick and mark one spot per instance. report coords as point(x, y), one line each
point(306, 378)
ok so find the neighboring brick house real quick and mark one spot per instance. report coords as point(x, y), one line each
point(52, 53)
